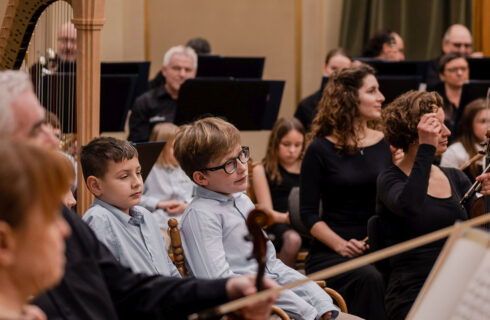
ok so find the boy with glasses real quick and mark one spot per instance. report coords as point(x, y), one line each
point(213, 225)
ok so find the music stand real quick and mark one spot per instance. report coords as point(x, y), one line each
point(479, 68)
point(248, 104)
point(141, 69)
point(116, 93)
point(148, 153)
point(472, 90)
point(396, 68)
point(234, 67)
point(393, 86)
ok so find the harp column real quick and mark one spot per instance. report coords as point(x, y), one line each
point(88, 18)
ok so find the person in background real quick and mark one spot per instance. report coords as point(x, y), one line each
point(159, 104)
point(472, 128)
point(273, 180)
point(32, 230)
point(340, 168)
point(454, 72)
point(336, 59)
point(200, 45)
point(168, 190)
point(385, 45)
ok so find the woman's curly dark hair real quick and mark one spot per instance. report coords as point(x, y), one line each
point(402, 116)
point(338, 108)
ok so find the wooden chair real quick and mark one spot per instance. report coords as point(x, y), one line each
point(178, 258)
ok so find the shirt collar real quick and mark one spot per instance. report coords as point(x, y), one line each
point(209, 194)
point(161, 92)
point(121, 216)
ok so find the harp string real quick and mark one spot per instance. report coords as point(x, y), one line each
point(53, 71)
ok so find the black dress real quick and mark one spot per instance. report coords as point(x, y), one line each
point(280, 194)
point(346, 184)
point(407, 211)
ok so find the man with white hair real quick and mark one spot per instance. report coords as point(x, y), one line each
point(159, 104)
point(95, 285)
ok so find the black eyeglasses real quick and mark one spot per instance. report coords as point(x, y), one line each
point(230, 165)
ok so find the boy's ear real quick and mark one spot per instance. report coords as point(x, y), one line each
point(199, 178)
point(7, 244)
point(94, 186)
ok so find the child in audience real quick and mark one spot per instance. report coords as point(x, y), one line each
point(273, 180)
point(112, 173)
point(167, 190)
point(472, 131)
point(213, 226)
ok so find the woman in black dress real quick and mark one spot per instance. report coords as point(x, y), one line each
point(414, 196)
point(340, 168)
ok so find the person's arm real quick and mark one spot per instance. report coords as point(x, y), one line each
point(263, 194)
point(202, 234)
point(310, 186)
point(405, 197)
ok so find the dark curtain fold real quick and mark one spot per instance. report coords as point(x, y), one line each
point(421, 23)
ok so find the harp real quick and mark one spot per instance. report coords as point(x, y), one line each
point(88, 18)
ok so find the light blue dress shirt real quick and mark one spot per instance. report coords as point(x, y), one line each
point(163, 184)
point(213, 230)
point(139, 247)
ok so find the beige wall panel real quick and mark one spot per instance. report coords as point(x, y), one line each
point(320, 33)
point(235, 28)
point(122, 35)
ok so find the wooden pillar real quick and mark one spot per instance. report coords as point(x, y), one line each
point(88, 18)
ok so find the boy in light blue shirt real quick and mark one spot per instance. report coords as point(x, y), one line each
point(213, 225)
point(113, 175)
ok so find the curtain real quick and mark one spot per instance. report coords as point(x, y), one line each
point(421, 23)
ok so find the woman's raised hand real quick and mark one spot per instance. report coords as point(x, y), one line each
point(429, 129)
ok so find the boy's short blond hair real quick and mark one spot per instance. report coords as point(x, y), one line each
point(203, 141)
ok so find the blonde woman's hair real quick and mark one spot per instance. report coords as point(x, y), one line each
point(165, 132)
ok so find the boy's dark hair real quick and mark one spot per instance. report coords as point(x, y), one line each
point(95, 156)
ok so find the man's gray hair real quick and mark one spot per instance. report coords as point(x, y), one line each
point(188, 51)
point(12, 84)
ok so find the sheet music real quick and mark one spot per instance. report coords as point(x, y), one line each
point(475, 302)
point(460, 266)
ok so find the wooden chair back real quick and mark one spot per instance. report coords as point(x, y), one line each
point(176, 245)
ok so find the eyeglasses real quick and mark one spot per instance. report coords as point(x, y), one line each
point(456, 69)
point(460, 44)
point(231, 165)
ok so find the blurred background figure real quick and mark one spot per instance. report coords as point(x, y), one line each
point(453, 72)
point(385, 45)
point(200, 45)
point(167, 189)
point(471, 133)
point(336, 59)
point(273, 180)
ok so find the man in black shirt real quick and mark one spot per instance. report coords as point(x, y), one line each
point(95, 285)
point(159, 104)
